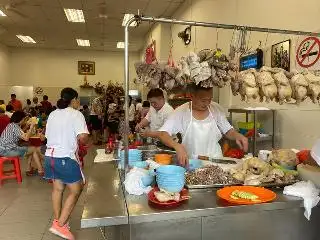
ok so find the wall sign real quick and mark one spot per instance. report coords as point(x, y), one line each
point(308, 53)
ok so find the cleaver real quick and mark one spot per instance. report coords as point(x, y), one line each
point(217, 160)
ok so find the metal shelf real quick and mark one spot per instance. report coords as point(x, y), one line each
point(253, 141)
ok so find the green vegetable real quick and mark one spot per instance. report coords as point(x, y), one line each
point(236, 194)
point(287, 171)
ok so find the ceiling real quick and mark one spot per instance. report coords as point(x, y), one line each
point(47, 24)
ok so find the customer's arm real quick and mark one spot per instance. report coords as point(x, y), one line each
point(26, 135)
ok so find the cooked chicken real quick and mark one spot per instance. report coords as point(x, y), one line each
point(299, 87)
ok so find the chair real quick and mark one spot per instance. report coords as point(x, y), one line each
point(14, 173)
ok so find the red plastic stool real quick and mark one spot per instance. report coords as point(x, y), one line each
point(15, 173)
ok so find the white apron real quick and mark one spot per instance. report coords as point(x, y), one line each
point(202, 137)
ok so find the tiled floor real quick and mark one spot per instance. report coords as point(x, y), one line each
point(26, 212)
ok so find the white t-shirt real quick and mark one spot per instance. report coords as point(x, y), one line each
point(139, 107)
point(315, 152)
point(63, 127)
point(158, 118)
point(132, 112)
point(179, 121)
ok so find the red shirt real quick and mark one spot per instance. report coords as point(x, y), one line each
point(16, 104)
point(4, 121)
point(46, 105)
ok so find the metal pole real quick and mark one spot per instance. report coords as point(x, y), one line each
point(225, 26)
point(126, 93)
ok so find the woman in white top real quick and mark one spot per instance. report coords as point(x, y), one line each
point(66, 127)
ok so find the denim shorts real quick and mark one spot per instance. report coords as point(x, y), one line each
point(65, 169)
point(14, 152)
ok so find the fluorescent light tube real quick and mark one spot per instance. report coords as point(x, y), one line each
point(2, 14)
point(126, 18)
point(120, 45)
point(83, 42)
point(74, 15)
point(26, 39)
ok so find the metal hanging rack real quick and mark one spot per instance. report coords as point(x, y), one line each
point(139, 19)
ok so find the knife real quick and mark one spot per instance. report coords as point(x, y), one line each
point(217, 160)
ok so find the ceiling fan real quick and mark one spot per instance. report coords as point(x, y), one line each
point(12, 6)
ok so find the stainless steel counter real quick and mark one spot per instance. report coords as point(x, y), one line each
point(202, 203)
point(202, 217)
point(105, 204)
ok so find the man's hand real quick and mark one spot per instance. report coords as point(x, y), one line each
point(182, 156)
point(138, 127)
point(242, 142)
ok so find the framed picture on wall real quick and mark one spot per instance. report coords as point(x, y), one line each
point(86, 68)
point(280, 55)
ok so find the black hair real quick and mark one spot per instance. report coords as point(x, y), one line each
point(67, 94)
point(146, 104)
point(28, 101)
point(33, 112)
point(157, 92)
point(85, 107)
point(54, 108)
point(1, 101)
point(13, 95)
point(139, 100)
point(130, 100)
point(17, 117)
point(45, 98)
point(196, 88)
point(9, 108)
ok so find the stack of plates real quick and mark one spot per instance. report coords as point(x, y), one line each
point(134, 156)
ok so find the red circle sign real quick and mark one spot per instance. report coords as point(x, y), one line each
point(307, 48)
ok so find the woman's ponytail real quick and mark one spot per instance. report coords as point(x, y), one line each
point(62, 104)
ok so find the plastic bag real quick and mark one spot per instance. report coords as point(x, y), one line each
point(308, 192)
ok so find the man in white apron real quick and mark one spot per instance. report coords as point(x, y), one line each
point(202, 124)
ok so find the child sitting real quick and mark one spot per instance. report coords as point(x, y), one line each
point(34, 155)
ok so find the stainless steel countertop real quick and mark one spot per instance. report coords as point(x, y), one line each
point(105, 204)
point(202, 203)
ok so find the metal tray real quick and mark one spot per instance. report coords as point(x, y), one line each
point(266, 185)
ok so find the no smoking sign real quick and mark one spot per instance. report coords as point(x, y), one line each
point(308, 53)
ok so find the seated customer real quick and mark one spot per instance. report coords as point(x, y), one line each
point(9, 111)
point(4, 120)
point(34, 154)
point(12, 134)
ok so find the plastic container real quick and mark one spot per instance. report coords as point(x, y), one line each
point(138, 164)
point(248, 125)
point(147, 180)
point(195, 164)
point(163, 159)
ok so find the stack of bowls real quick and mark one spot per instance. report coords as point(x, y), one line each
point(163, 159)
point(134, 157)
point(171, 178)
